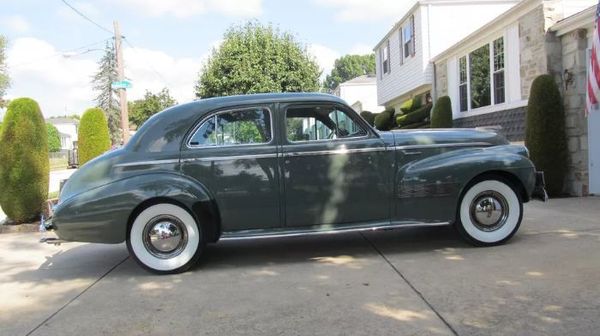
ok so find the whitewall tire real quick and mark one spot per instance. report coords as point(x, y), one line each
point(165, 238)
point(490, 212)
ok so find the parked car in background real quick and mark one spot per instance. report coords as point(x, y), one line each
point(273, 165)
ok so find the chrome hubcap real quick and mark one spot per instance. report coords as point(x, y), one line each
point(489, 211)
point(165, 236)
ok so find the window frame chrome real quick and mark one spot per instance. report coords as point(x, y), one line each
point(217, 113)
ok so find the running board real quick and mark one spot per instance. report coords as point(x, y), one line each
point(320, 230)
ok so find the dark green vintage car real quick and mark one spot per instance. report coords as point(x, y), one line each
point(273, 165)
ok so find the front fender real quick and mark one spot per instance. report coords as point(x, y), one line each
point(438, 181)
point(101, 214)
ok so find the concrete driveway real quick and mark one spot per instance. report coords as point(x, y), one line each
point(423, 281)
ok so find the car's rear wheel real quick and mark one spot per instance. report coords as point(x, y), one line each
point(490, 212)
point(165, 238)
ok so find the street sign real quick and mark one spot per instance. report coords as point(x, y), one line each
point(124, 84)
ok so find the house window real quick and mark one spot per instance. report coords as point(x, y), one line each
point(462, 85)
point(385, 58)
point(481, 77)
point(499, 87)
point(408, 38)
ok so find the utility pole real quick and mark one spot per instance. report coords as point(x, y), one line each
point(122, 91)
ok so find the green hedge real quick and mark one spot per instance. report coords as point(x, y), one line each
point(412, 104)
point(545, 135)
point(93, 136)
point(53, 138)
point(24, 164)
point(369, 117)
point(384, 121)
point(419, 115)
point(441, 115)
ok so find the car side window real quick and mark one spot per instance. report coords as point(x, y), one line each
point(239, 127)
point(320, 123)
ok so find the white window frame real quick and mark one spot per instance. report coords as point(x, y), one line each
point(384, 49)
point(490, 46)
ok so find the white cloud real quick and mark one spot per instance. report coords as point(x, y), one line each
point(63, 85)
point(15, 23)
point(325, 56)
point(188, 8)
point(366, 10)
point(361, 49)
point(86, 8)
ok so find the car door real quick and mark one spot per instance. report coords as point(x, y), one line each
point(335, 168)
point(233, 153)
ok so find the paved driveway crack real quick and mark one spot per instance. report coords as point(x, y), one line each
point(76, 296)
point(454, 332)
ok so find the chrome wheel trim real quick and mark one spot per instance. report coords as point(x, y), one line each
point(489, 210)
point(165, 236)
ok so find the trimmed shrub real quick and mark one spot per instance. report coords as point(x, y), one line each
point(384, 121)
point(441, 115)
point(369, 117)
point(419, 115)
point(53, 138)
point(93, 135)
point(545, 135)
point(412, 104)
point(24, 163)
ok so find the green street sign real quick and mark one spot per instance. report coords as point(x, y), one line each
point(124, 84)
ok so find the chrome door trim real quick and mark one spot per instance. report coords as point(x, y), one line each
point(261, 234)
point(231, 157)
point(333, 151)
point(146, 163)
point(443, 145)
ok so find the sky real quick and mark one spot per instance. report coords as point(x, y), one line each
point(53, 52)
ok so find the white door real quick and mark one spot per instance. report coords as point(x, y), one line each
point(594, 146)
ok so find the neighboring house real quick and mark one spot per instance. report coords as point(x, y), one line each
point(361, 93)
point(403, 55)
point(67, 129)
point(489, 73)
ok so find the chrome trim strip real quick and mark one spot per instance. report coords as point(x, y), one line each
point(335, 151)
point(379, 226)
point(235, 157)
point(444, 145)
point(146, 163)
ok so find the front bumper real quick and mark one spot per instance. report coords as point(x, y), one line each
point(539, 191)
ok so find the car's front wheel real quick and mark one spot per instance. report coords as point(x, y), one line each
point(165, 238)
point(490, 212)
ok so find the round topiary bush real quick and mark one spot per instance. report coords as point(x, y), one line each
point(420, 115)
point(93, 135)
point(384, 121)
point(545, 135)
point(369, 117)
point(441, 115)
point(53, 138)
point(24, 163)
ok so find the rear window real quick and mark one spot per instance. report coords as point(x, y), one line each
point(239, 127)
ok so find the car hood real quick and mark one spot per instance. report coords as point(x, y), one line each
point(448, 136)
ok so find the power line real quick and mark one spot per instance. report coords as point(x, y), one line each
point(150, 63)
point(87, 18)
point(60, 53)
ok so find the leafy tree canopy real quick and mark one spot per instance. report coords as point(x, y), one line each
point(4, 80)
point(348, 67)
point(255, 58)
point(142, 109)
point(53, 138)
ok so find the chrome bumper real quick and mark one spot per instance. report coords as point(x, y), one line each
point(45, 226)
point(539, 191)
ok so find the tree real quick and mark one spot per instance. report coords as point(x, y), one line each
point(441, 116)
point(93, 135)
point(107, 99)
point(53, 138)
point(142, 109)
point(545, 135)
point(4, 79)
point(348, 67)
point(24, 163)
point(254, 58)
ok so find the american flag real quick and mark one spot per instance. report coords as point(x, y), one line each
point(593, 89)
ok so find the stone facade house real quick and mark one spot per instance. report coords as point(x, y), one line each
point(489, 73)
